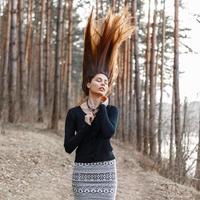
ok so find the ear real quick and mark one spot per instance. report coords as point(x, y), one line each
point(88, 85)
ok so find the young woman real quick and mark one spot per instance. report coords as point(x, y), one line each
point(90, 125)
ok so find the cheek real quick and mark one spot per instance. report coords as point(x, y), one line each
point(96, 84)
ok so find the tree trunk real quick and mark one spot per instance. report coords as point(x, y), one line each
point(113, 2)
point(146, 94)
point(28, 46)
point(69, 56)
point(178, 159)
point(137, 83)
point(5, 65)
point(12, 85)
point(97, 9)
point(123, 65)
point(120, 97)
point(55, 114)
point(127, 86)
point(152, 128)
point(130, 114)
point(161, 85)
point(22, 72)
point(184, 136)
point(197, 171)
point(48, 54)
point(63, 61)
point(126, 78)
point(101, 9)
point(41, 64)
point(118, 102)
point(171, 152)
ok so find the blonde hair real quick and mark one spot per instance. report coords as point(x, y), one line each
point(101, 44)
point(82, 99)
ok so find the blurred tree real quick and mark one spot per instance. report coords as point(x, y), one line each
point(137, 82)
point(57, 75)
point(5, 41)
point(12, 69)
point(146, 87)
point(41, 63)
point(179, 153)
point(197, 170)
point(22, 71)
point(160, 118)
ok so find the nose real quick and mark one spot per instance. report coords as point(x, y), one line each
point(103, 84)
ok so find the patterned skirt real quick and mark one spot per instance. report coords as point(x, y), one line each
point(95, 181)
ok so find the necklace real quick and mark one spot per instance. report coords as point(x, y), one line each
point(93, 110)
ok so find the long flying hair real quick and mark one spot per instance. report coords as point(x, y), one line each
point(101, 44)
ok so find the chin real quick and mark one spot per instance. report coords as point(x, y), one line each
point(102, 93)
point(99, 93)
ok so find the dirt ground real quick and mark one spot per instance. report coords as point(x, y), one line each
point(34, 165)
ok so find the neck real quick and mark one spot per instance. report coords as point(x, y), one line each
point(94, 100)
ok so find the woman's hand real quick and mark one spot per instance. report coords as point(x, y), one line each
point(104, 100)
point(89, 118)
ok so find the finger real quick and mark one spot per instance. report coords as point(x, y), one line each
point(91, 115)
point(103, 98)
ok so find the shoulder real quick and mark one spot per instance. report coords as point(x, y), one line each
point(71, 111)
point(112, 106)
point(112, 109)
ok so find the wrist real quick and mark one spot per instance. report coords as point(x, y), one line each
point(102, 106)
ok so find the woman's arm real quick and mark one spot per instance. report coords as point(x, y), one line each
point(72, 140)
point(108, 120)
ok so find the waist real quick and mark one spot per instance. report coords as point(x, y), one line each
point(106, 156)
point(107, 162)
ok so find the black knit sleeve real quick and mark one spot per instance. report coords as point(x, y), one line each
point(108, 120)
point(72, 140)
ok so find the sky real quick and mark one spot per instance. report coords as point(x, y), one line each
point(190, 62)
point(189, 77)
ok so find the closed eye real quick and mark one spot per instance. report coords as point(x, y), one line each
point(99, 79)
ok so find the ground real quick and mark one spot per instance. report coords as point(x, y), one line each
point(34, 165)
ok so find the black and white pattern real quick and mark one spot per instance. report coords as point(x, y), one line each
point(95, 181)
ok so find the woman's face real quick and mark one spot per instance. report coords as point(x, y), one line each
point(99, 84)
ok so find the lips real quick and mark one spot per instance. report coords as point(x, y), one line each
point(102, 88)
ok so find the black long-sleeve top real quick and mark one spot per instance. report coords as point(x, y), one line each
point(93, 141)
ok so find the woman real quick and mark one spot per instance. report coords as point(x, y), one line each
point(90, 125)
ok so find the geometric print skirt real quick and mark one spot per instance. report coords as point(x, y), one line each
point(95, 181)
